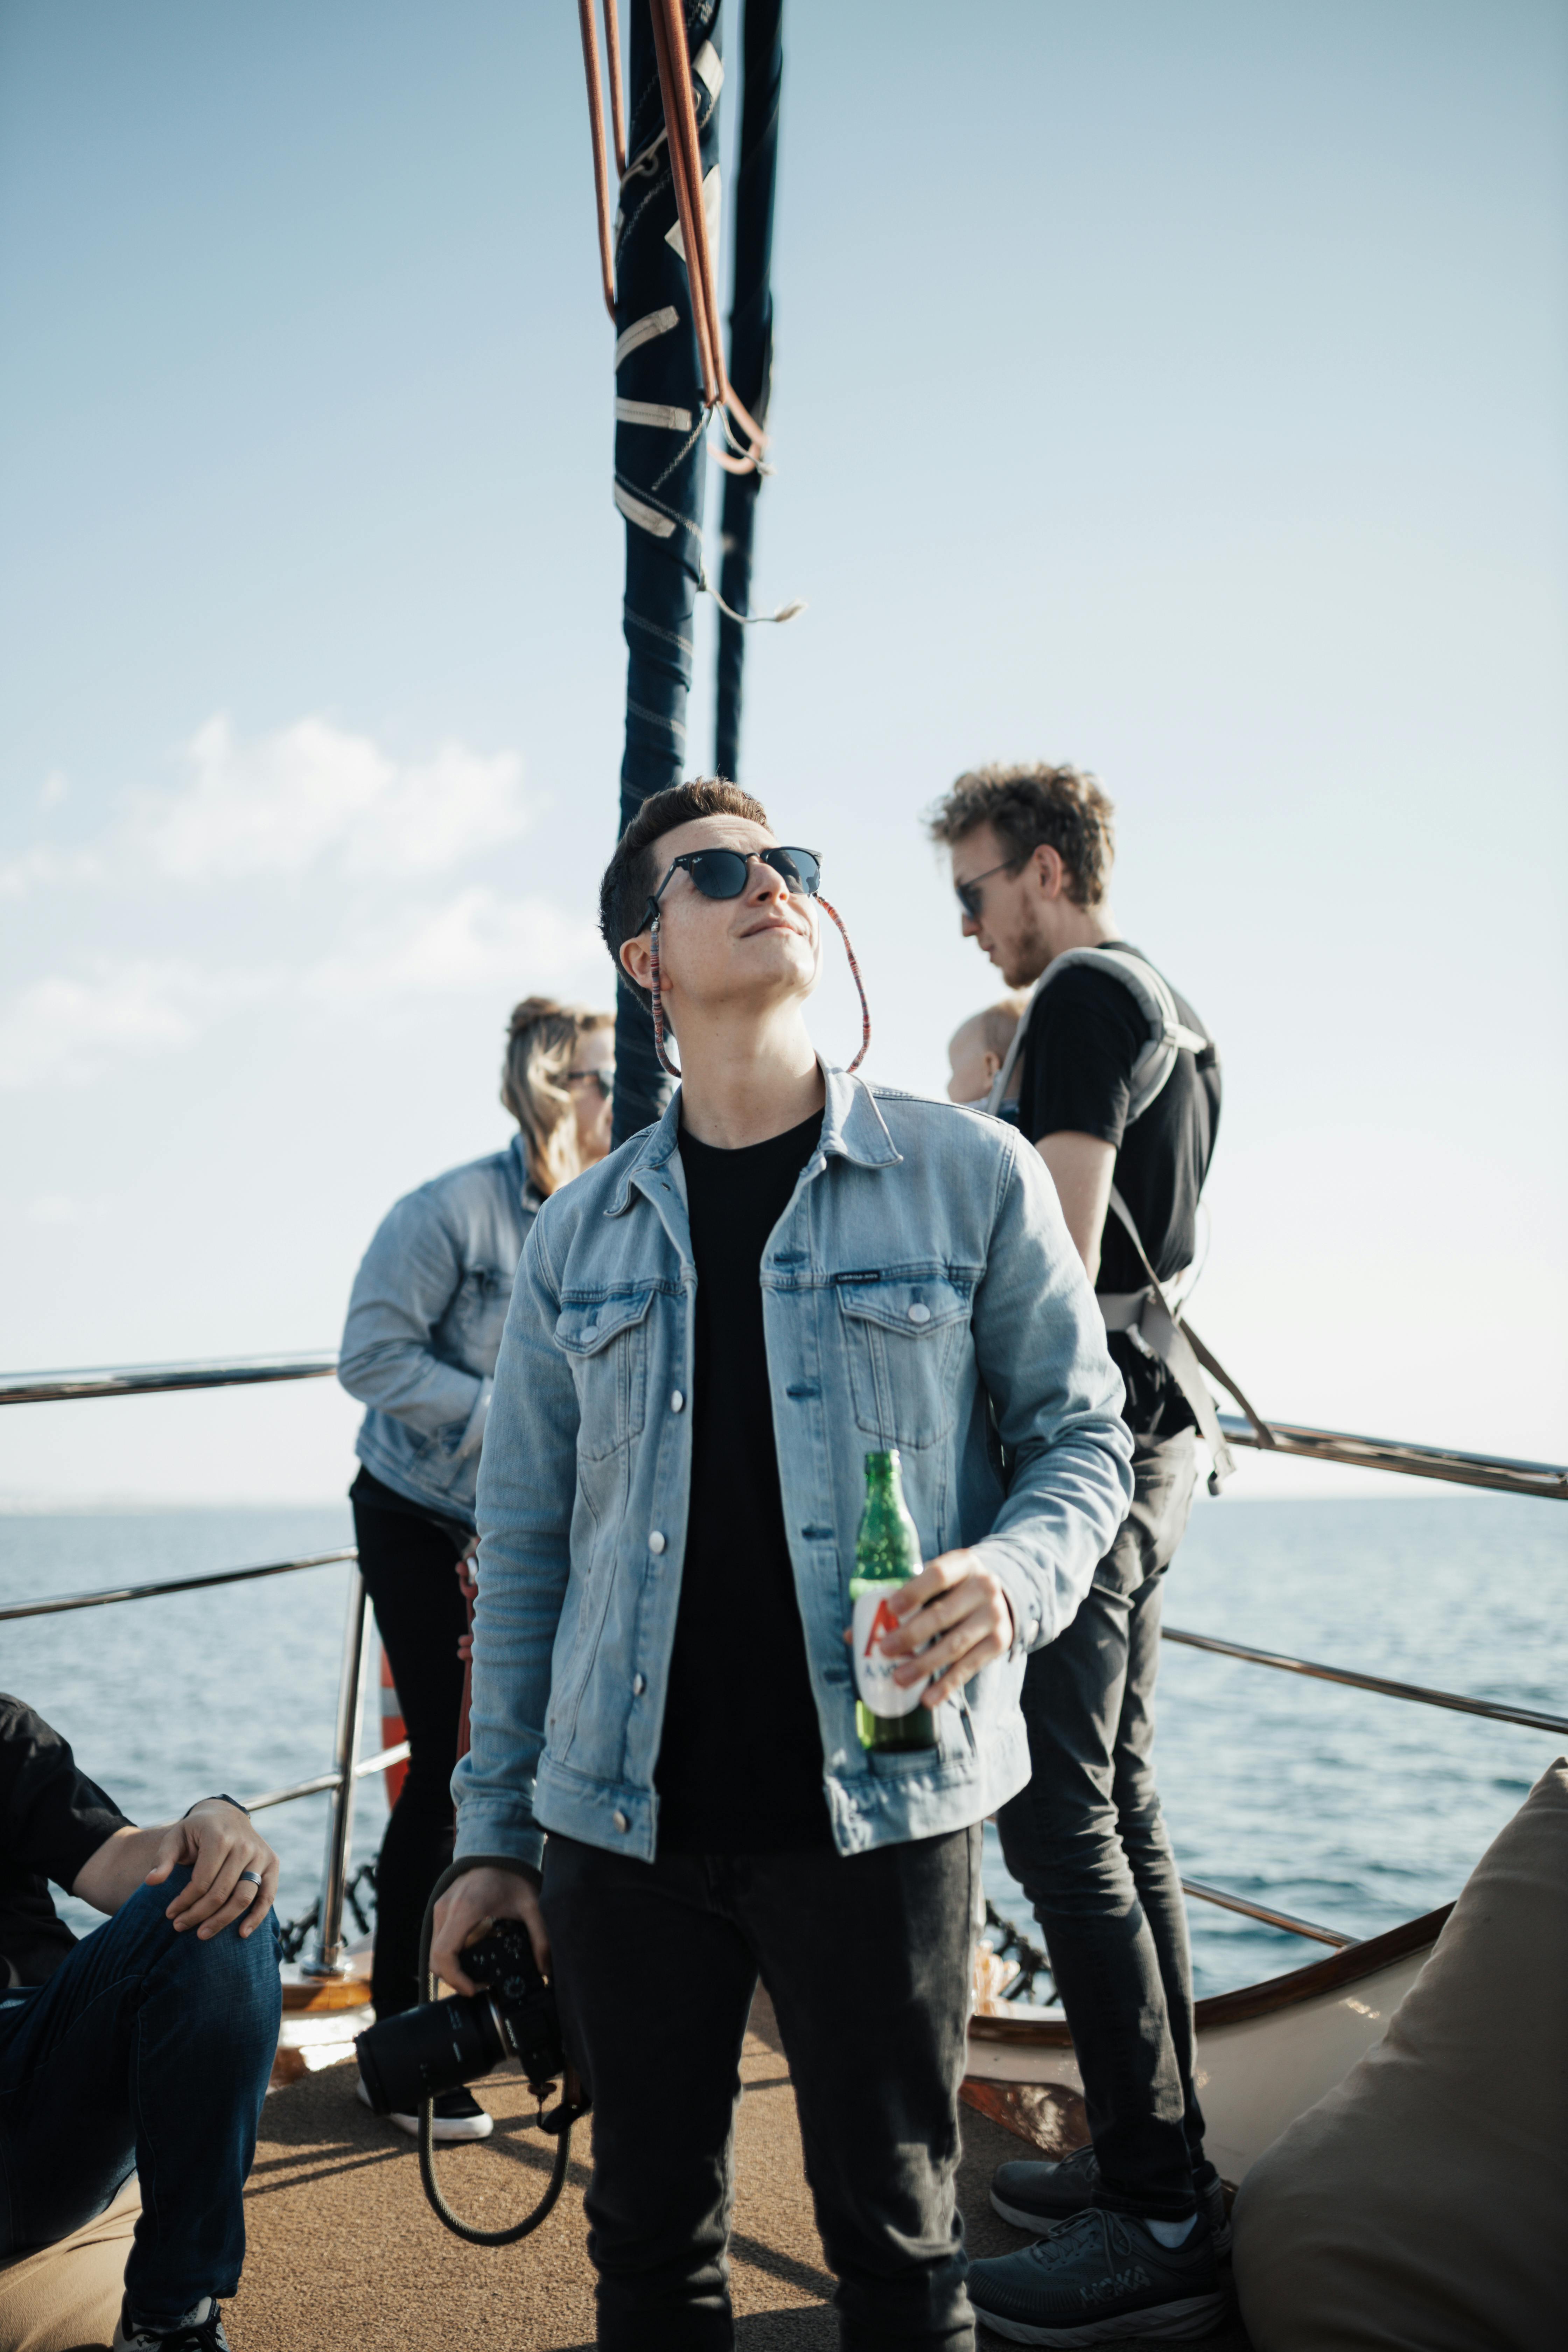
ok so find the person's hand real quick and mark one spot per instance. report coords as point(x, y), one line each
point(469, 1583)
point(219, 1843)
point(961, 1609)
point(469, 1909)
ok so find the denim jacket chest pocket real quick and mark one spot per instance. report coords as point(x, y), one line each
point(901, 1334)
point(606, 1339)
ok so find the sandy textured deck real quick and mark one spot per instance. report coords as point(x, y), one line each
point(345, 2251)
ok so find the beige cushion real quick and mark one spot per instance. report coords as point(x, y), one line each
point(66, 2297)
point(1423, 2204)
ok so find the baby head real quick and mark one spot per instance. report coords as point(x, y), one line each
point(977, 1050)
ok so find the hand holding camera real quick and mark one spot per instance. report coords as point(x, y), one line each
point(470, 1907)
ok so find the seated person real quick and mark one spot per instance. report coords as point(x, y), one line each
point(146, 2048)
point(978, 1047)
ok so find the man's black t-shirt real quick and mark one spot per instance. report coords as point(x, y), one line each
point(739, 1766)
point(1084, 1035)
point(53, 1818)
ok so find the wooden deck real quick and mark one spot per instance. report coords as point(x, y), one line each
point(345, 2251)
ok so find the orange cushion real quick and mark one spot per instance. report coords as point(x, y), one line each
point(1423, 2205)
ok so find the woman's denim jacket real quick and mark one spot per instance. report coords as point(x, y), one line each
point(919, 1291)
point(425, 1325)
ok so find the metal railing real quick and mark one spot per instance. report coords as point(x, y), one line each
point(157, 1380)
point(1495, 1472)
point(1492, 1472)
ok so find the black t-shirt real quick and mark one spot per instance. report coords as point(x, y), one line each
point(1084, 1035)
point(740, 1767)
point(53, 1818)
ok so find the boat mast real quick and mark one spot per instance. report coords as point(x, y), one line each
point(751, 346)
point(660, 462)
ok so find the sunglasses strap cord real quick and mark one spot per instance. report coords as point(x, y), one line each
point(654, 990)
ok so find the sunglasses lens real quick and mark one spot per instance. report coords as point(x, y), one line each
point(719, 873)
point(797, 868)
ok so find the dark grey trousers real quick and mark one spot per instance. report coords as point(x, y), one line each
point(1087, 1843)
point(867, 1958)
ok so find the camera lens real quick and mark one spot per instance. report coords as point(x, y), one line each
point(425, 2051)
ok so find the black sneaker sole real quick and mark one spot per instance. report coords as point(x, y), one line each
point(1182, 2322)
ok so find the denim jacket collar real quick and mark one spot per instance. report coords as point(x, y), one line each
point(852, 1129)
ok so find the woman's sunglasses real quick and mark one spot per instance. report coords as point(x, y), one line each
point(721, 873)
point(604, 1079)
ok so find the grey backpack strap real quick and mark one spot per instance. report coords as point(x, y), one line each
point(1181, 1352)
point(1004, 1078)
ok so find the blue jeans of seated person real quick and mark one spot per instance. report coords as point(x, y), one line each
point(146, 2052)
point(1087, 1843)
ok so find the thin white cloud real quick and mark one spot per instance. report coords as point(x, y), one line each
point(62, 1032)
point(65, 1030)
point(478, 940)
point(278, 805)
point(42, 864)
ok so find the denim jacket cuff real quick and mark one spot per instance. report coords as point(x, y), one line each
point(474, 1435)
point(1022, 1589)
point(487, 1836)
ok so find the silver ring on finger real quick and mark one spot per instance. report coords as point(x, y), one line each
point(254, 1877)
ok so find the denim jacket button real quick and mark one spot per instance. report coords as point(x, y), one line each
point(620, 1822)
point(677, 1402)
point(656, 1542)
point(639, 1683)
point(918, 1314)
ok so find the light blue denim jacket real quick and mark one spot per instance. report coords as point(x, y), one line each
point(424, 1324)
point(920, 1275)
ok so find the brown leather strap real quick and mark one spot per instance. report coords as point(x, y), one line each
point(596, 133)
point(617, 104)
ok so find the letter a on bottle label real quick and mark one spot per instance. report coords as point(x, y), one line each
point(874, 1621)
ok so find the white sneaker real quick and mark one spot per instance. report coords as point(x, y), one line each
point(201, 2330)
point(458, 2116)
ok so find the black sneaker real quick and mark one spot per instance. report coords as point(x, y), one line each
point(458, 2115)
point(201, 2330)
point(1100, 2278)
point(1033, 2195)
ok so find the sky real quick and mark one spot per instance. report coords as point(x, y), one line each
point(1179, 392)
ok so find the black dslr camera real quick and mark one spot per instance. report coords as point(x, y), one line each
point(423, 2051)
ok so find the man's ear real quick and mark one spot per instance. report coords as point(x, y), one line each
point(636, 959)
point(1048, 869)
point(992, 1062)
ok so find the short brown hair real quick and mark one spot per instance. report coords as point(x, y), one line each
point(631, 878)
point(543, 1038)
point(1063, 807)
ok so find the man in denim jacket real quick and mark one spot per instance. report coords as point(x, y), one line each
point(709, 1332)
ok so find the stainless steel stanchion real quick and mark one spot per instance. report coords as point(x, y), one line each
point(330, 1960)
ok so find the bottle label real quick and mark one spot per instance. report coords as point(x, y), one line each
point(874, 1684)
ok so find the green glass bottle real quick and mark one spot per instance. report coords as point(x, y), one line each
point(886, 1555)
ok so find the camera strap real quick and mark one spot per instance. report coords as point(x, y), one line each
point(557, 2122)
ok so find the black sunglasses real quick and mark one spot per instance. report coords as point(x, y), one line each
point(968, 893)
point(604, 1079)
point(721, 873)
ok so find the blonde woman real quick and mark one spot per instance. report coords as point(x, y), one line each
point(419, 1347)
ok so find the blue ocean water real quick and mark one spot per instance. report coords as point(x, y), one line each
point(1336, 1805)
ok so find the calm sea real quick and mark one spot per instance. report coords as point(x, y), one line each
point(1335, 1805)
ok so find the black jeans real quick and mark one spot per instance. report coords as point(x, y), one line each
point(1087, 1842)
point(867, 1958)
point(408, 1564)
